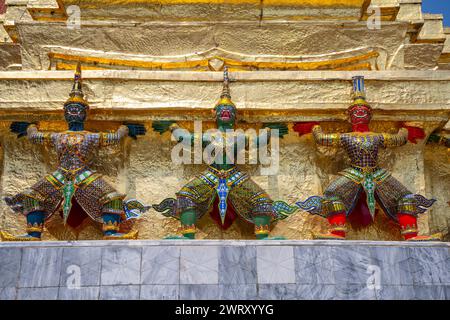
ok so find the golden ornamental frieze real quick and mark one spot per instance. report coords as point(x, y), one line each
point(214, 59)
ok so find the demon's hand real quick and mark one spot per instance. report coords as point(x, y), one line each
point(304, 127)
point(435, 138)
point(281, 127)
point(135, 129)
point(20, 128)
point(162, 126)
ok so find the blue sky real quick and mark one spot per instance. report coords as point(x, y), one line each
point(438, 6)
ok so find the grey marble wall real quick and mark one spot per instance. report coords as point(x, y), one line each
point(224, 270)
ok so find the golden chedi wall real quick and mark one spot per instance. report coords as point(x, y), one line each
point(289, 60)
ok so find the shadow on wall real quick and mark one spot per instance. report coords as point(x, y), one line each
point(437, 174)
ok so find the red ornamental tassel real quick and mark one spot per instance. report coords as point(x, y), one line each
point(229, 218)
point(304, 127)
point(361, 215)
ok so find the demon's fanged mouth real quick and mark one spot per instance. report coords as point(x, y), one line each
point(225, 115)
point(360, 114)
point(73, 112)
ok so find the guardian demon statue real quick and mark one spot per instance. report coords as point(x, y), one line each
point(222, 189)
point(74, 187)
point(364, 183)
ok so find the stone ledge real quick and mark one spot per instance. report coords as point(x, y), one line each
point(209, 76)
point(156, 95)
point(215, 269)
point(144, 243)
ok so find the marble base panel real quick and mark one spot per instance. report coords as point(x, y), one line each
point(226, 270)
